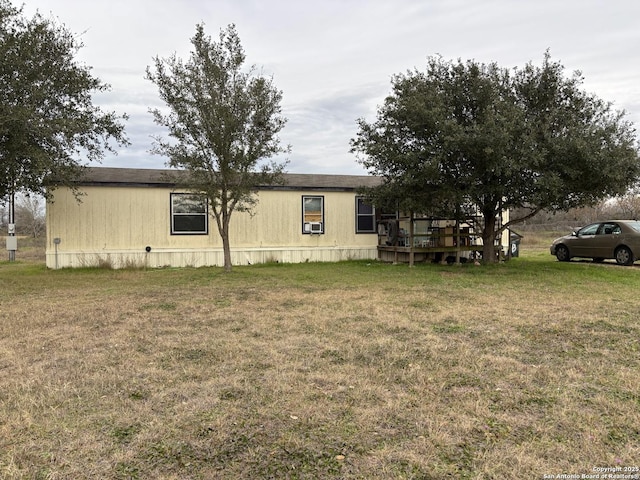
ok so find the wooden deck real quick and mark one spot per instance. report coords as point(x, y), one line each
point(400, 254)
point(429, 243)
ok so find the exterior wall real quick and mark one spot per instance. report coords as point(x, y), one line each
point(115, 225)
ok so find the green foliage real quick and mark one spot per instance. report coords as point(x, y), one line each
point(464, 134)
point(580, 149)
point(48, 124)
point(223, 123)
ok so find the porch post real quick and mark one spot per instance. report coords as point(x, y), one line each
point(411, 253)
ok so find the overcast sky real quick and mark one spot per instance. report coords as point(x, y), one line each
point(333, 59)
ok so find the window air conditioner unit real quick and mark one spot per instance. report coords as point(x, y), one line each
point(313, 227)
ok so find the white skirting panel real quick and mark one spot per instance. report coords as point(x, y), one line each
point(158, 258)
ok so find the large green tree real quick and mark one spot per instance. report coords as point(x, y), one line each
point(223, 123)
point(49, 127)
point(475, 137)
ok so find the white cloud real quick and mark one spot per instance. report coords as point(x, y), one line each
point(334, 59)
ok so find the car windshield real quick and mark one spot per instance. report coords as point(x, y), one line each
point(635, 226)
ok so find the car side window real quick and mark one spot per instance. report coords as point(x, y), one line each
point(589, 229)
point(609, 229)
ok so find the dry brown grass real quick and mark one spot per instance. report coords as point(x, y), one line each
point(348, 370)
point(29, 249)
point(540, 240)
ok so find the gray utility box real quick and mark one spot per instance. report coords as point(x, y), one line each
point(12, 243)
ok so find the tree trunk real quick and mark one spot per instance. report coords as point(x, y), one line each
point(226, 245)
point(227, 253)
point(489, 239)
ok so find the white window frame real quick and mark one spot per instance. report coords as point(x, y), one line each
point(200, 212)
point(312, 222)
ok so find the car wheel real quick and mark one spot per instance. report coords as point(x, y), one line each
point(562, 253)
point(624, 256)
point(598, 260)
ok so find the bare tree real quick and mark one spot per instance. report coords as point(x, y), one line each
point(3, 216)
point(629, 204)
point(30, 214)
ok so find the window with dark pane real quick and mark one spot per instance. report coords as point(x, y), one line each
point(365, 216)
point(189, 214)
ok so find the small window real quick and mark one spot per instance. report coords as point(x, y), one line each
point(365, 216)
point(312, 214)
point(189, 214)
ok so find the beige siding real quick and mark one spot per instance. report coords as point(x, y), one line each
point(278, 221)
point(115, 224)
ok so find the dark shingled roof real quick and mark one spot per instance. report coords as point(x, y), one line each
point(105, 176)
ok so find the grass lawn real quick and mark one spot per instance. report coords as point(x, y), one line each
point(356, 370)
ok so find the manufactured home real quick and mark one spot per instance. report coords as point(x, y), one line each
point(138, 217)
